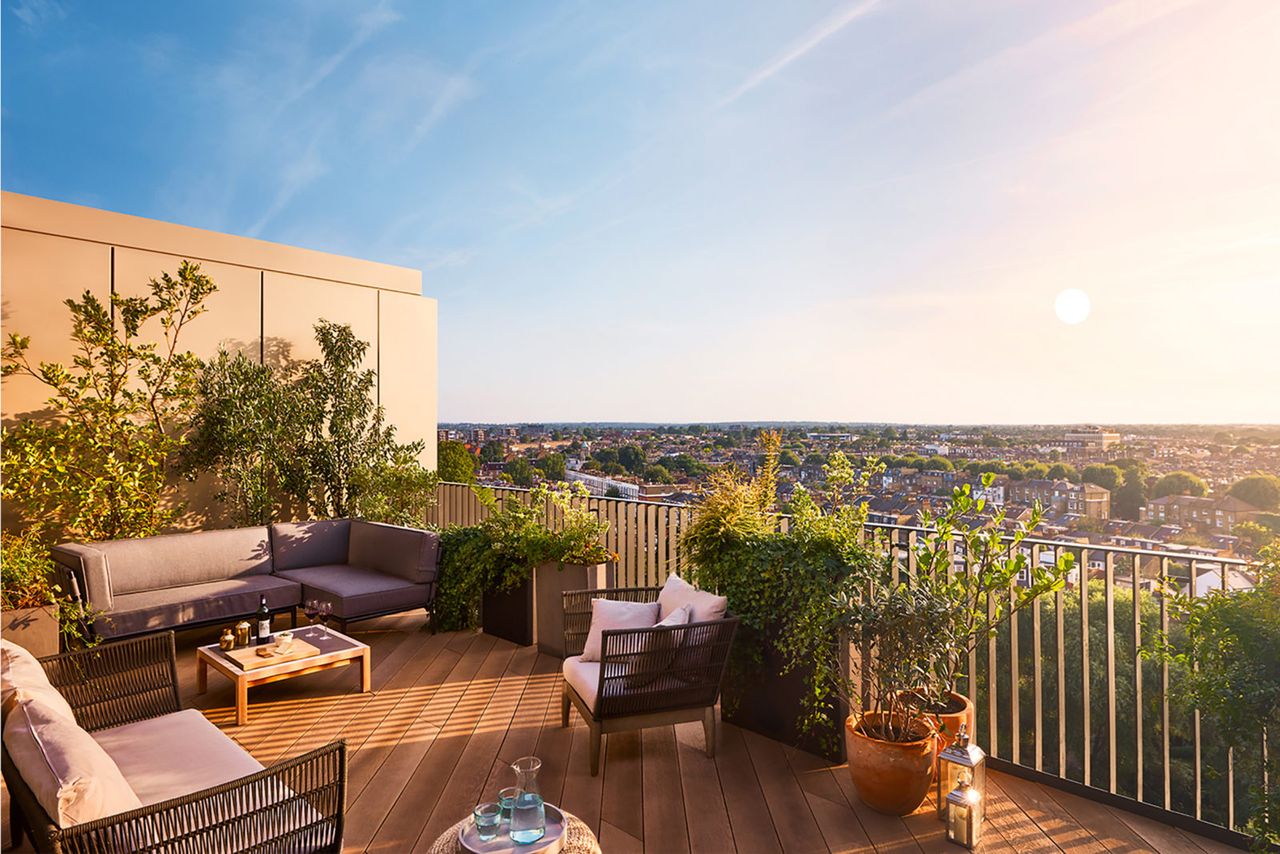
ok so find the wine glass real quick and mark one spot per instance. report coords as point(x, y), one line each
point(325, 608)
point(311, 608)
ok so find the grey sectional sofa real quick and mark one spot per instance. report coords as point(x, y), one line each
point(365, 569)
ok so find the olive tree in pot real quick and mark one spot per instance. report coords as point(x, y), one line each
point(35, 609)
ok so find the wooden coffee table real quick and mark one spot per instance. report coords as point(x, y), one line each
point(335, 650)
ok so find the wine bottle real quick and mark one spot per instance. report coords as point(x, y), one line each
point(264, 622)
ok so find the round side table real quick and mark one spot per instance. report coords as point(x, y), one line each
point(578, 838)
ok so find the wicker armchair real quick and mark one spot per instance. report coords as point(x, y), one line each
point(293, 806)
point(647, 677)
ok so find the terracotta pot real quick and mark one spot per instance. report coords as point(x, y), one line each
point(948, 723)
point(891, 777)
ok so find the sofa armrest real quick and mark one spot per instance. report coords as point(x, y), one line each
point(87, 568)
point(120, 682)
point(295, 805)
point(577, 610)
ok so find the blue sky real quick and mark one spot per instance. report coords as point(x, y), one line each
point(721, 210)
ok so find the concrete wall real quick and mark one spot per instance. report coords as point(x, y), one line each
point(269, 297)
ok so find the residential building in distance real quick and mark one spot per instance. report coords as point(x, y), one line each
point(599, 485)
point(1090, 439)
point(1087, 500)
point(1217, 514)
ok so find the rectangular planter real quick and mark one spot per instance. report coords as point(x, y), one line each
point(770, 704)
point(35, 629)
point(534, 612)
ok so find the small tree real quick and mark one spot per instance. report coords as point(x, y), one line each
point(1179, 483)
point(520, 471)
point(1260, 490)
point(102, 467)
point(1107, 476)
point(454, 463)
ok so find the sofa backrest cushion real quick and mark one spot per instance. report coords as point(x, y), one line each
point(23, 678)
point(298, 545)
point(176, 560)
point(409, 553)
point(70, 774)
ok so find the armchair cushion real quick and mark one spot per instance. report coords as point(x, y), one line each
point(72, 778)
point(22, 678)
point(174, 755)
point(658, 650)
point(611, 614)
point(676, 592)
point(583, 677)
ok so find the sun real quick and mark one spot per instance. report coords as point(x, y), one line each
point(1072, 306)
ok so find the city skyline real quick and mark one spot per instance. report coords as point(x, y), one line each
point(725, 214)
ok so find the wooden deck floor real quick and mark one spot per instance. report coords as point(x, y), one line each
point(450, 711)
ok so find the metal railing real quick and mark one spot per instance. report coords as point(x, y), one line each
point(1064, 693)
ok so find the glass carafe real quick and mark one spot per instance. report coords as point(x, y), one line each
point(528, 815)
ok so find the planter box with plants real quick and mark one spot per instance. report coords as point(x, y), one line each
point(36, 611)
point(508, 573)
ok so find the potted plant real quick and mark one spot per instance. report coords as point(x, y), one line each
point(780, 585)
point(35, 609)
point(1226, 648)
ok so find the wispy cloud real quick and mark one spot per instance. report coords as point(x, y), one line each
point(455, 90)
point(367, 26)
point(35, 14)
point(819, 34)
point(294, 178)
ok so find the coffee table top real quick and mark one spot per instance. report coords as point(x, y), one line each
point(331, 645)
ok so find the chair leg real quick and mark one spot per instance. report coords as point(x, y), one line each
point(17, 823)
point(564, 706)
point(709, 730)
point(595, 751)
point(293, 618)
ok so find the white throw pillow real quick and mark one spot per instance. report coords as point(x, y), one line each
point(612, 614)
point(705, 606)
point(659, 649)
point(70, 774)
point(22, 678)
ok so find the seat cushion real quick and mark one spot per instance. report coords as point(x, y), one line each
point(676, 592)
point(611, 614)
point(583, 677)
point(174, 755)
point(176, 560)
point(72, 777)
point(22, 678)
point(356, 591)
point(216, 600)
point(320, 543)
point(409, 553)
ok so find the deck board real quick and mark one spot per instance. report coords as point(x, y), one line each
point(450, 712)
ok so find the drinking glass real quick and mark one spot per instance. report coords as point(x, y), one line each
point(507, 800)
point(326, 608)
point(311, 608)
point(486, 817)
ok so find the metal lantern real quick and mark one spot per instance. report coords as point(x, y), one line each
point(964, 814)
point(960, 760)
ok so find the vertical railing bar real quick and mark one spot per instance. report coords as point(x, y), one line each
point(993, 715)
point(1036, 674)
point(1195, 719)
point(1164, 682)
point(1137, 674)
point(1059, 605)
point(1231, 754)
point(1015, 682)
point(1110, 598)
point(1086, 704)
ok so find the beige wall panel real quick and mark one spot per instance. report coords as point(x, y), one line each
point(234, 315)
point(38, 272)
point(292, 305)
point(44, 215)
point(407, 359)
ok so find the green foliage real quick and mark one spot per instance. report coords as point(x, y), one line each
point(1127, 501)
point(101, 467)
point(685, 464)
point(1064, 471)
point(1260, 490)
point(454, 463)
point(787, 457)
point(552, 466)
point(938, 463)
point(1256, 534)
point(493, 451)
point(658, 474)
point(27, 580)
point(520, 472)
point(631, 458)
point(1179, 483)
point(499, 553)
point(1229, 660)
point(1107, 476)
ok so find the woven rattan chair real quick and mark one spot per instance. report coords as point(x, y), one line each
point(295, 806)
point(647, 677)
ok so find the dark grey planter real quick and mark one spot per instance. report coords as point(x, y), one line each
point(533, 613)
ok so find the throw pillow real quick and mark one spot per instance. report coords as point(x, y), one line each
point(70, 774)
point(705, 606)
point(612, 614)
point(22, 677)
point(659, 649)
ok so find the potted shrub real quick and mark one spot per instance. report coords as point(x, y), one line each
point(31, 600)
point(1226, 648)
point(780, 585)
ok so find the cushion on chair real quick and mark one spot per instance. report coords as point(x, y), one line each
point(407, 553)
point(71, 776)
point(159, 609)
point(174, 755)
point(22, 678)
point(584, 677)
point(319, 543)
point(611, 614)
point(658, 649)
point(356, 591)
point(676, 592)
point(176, 560)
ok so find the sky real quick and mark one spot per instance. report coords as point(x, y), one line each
point(718, 211)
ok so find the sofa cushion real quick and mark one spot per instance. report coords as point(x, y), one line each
point(73, 778)
point(216, 600)
point(23, 678)
point(676, 592)
point(176, 560)
point(409, 553)
point(88, 566)
point(320, 543)
point(610, 614)
point(356, 591)
point(174, 755)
